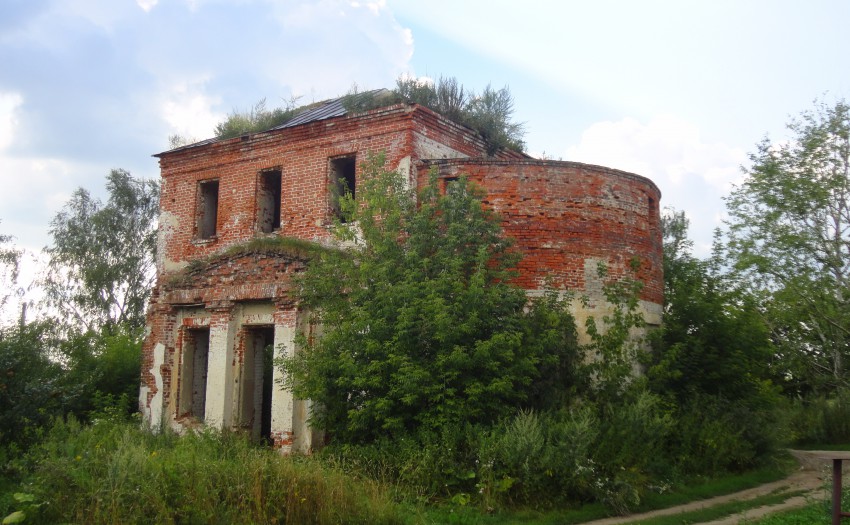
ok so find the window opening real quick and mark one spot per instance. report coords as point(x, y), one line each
point(445, 182)
point(207, 209)
point(342, 182)
point(193, 391)
point(268, 201)
point(257, 382)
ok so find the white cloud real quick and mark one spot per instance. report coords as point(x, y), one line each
point(693, 175)
point(147, 5)
point(188, 110)
point(9, 103)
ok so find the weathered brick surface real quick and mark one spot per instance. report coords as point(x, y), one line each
point(565, 217)
point(564, 213)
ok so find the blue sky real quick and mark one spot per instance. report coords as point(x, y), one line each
point(678, 91)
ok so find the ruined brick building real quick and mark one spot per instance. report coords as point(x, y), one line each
point(219, 304)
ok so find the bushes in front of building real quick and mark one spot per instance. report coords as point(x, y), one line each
point(113, 471)
point(436, 374)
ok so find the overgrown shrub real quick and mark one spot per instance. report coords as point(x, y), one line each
point(112, 472)
point(820, 420)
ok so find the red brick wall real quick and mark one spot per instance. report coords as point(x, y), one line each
point(301, 153)
point(563, 213)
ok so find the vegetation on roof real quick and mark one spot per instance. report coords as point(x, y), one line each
point(259, 118)
point(271, 245)
point(489, 112)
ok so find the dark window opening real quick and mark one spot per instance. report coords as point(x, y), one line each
point(445, 182)
point(207, 209)
point(257, 382)
point(342, 183)
point(268, 201)
point(193, 389)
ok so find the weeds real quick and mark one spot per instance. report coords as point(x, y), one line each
point(116, 473)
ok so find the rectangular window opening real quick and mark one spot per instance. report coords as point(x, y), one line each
point(342, 182)
point(268, 201)
point(193, 385)
point(257, 382)
point(445, 182)
point(207, 209)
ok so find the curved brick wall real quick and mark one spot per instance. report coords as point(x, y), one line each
point(567, 216)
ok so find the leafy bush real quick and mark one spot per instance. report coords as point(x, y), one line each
point(31, 387)
point(112, 472)
point(539, 459)
point(820, 420)
point(422, 329)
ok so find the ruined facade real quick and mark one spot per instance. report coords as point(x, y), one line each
point(222, 301)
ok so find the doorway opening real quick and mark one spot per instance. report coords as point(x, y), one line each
point(257, 382)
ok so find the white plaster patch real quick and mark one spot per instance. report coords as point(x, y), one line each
point(153, 413)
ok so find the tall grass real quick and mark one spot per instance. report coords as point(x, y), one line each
point(110, 473)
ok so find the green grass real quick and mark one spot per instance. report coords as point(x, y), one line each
point(679, 496)
point(110, 473)
point(117, 473)
point(814, 514)
point(834, 447)
point(716, 512)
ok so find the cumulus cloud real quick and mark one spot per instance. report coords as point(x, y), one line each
point(693, 175)
point(188, 109)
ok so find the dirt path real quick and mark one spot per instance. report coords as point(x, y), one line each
point(812, 477)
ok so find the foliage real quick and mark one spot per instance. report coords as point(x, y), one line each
point(47, 376)
point(9, 259)
point(258, 118)
point(714, 340)
point(116, 472)
point(790, 234)
point(421, 328)
point(101, 263)
point(615, 344)
point(31, 387)
point(710, 361)
point(102, 371)
point(820, 420)
point(489, 112)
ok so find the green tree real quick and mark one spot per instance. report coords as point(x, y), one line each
point(711, 361)
point(790, 236)
point(9, 259)
point(714, 340)
point(101, 263)
point(31, 386)
point(420, 326)
point(101, 370)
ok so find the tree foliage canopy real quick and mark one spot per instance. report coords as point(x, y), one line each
point(101, 263)
point(421, 328)
point(9, 259)
point(714, 341)
point(790, 234)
